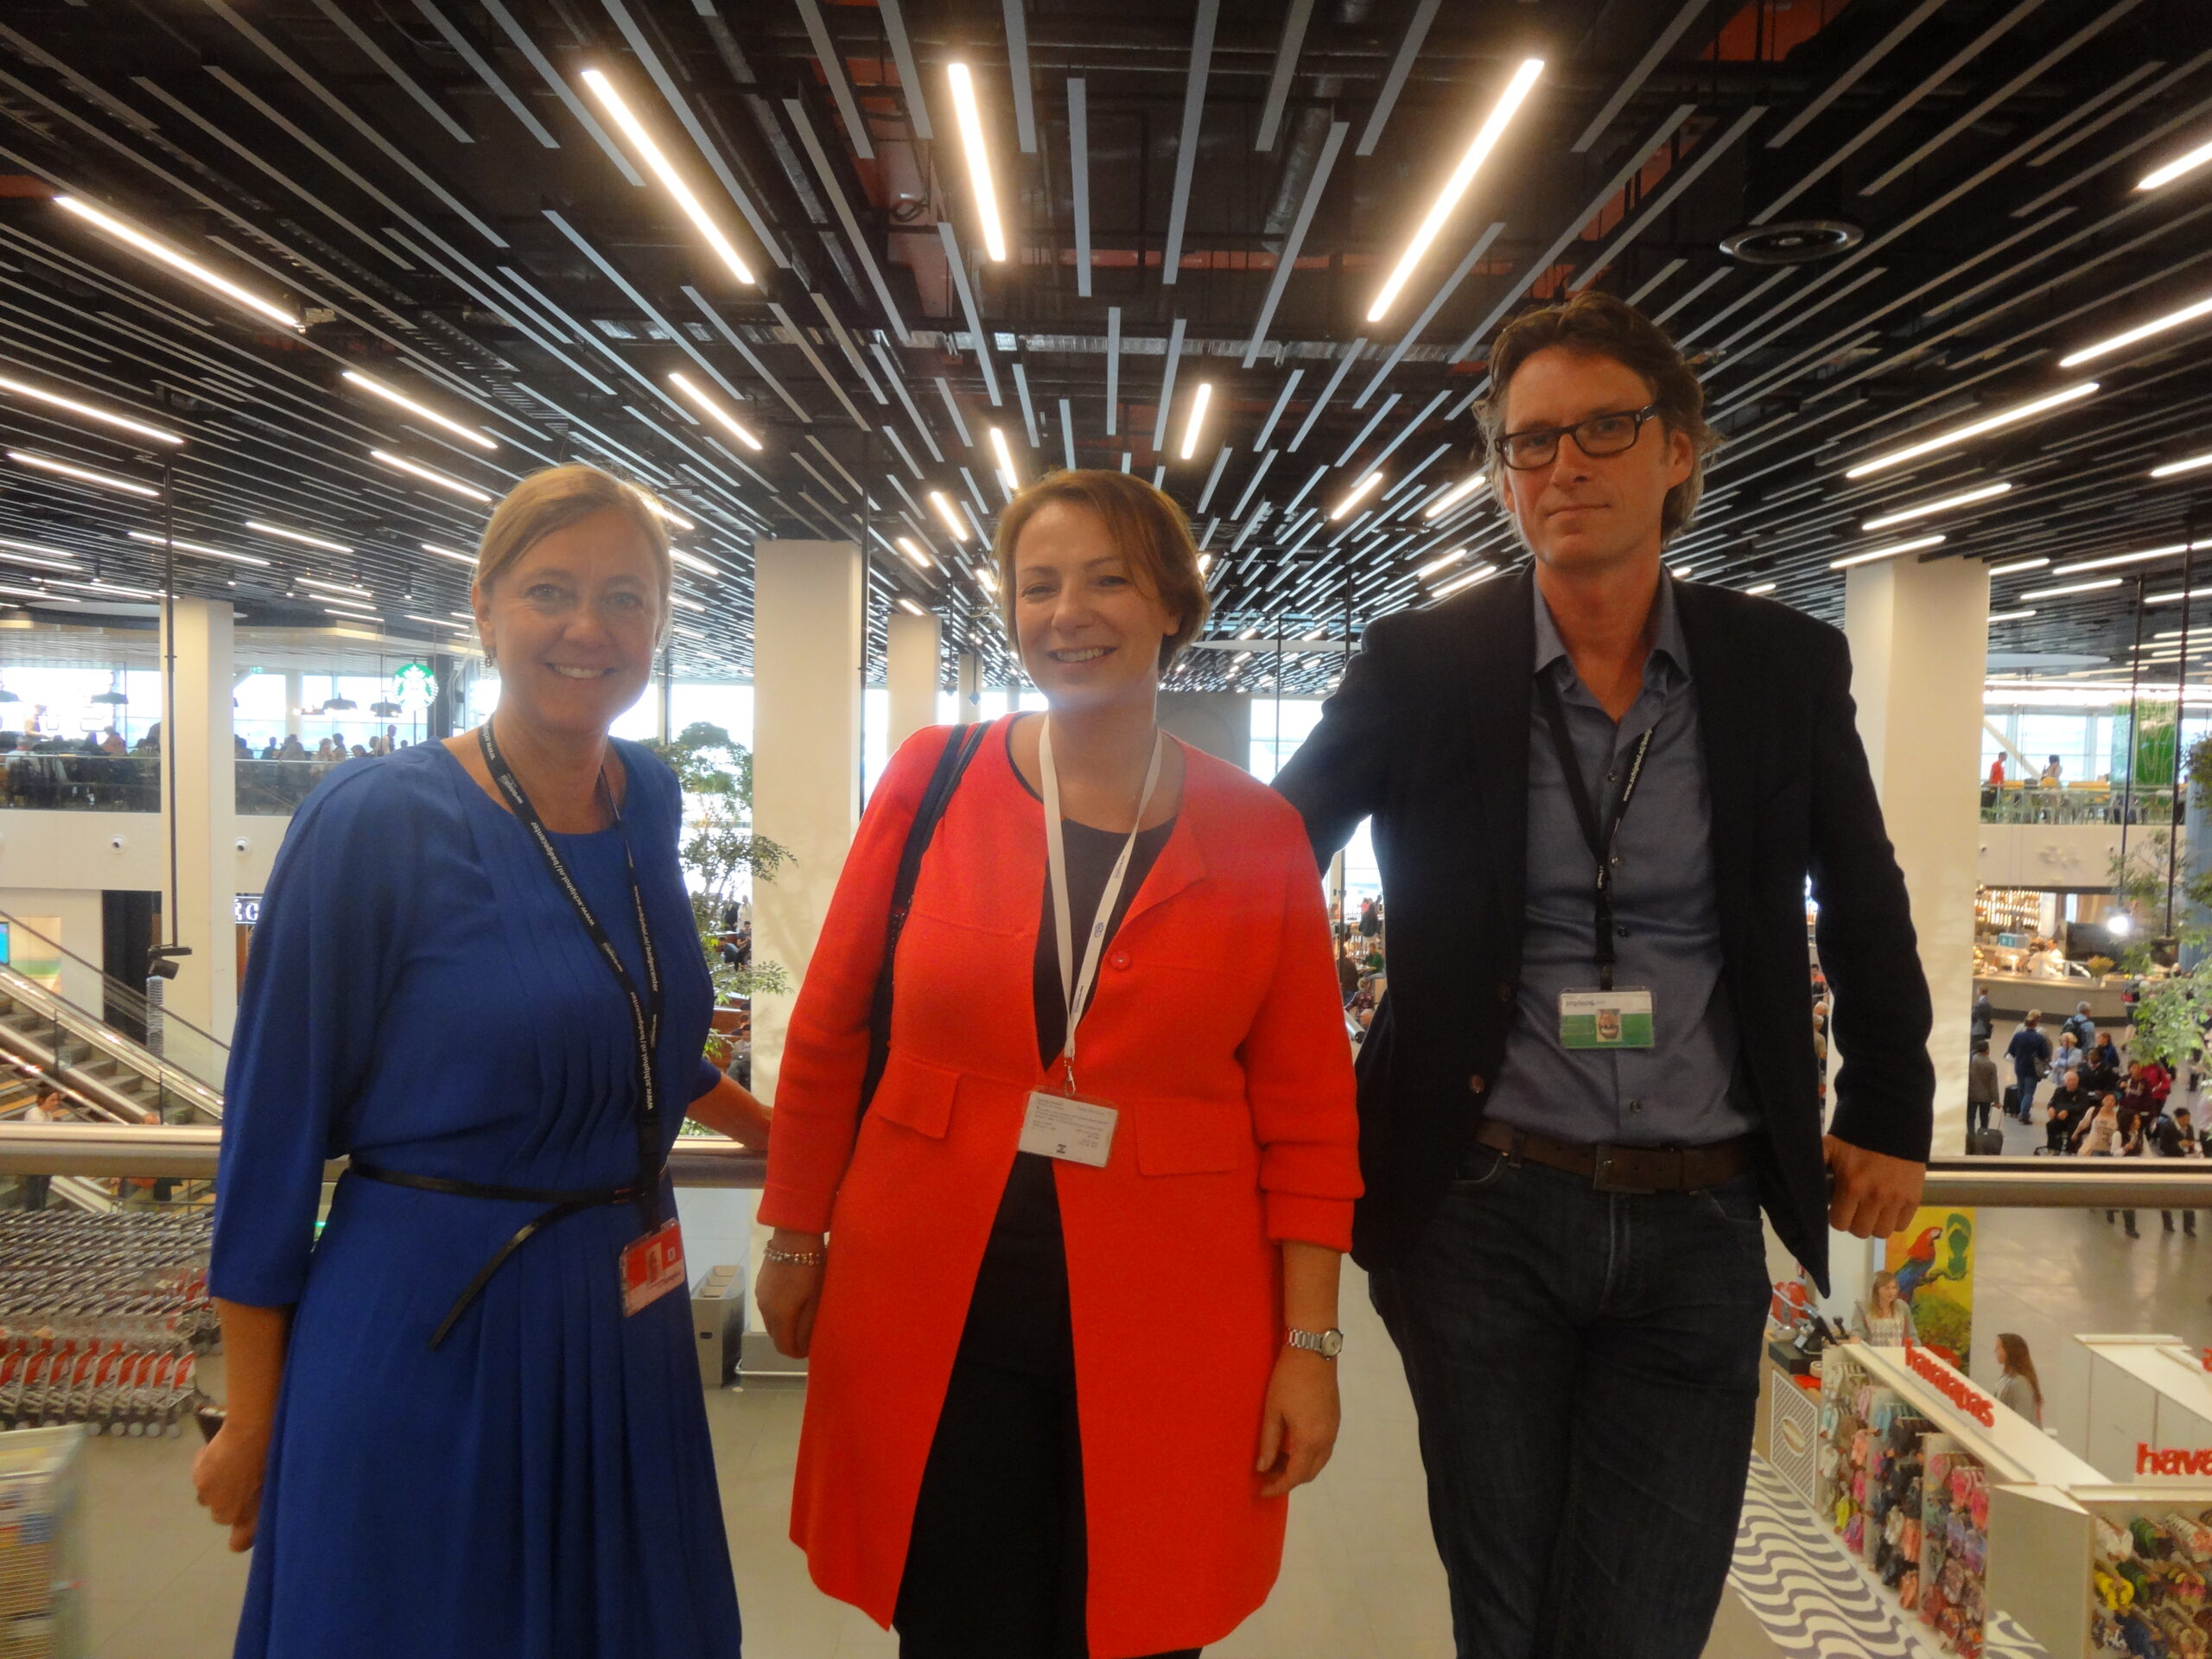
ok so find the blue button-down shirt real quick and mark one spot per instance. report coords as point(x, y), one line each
point(1682, 1090)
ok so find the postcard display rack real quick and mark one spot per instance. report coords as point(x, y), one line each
point(42, 1605)
point(1909, 1455)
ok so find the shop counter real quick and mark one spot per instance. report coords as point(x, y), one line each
point(2150, 1407)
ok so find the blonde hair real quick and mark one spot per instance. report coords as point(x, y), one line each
point(1148, 529)
point(554, 498)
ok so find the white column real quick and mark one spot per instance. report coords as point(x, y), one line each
point(1919, 645)
point(967, 687)
point(910, 672)
point(196, 742)
point(807, 601)
point(294, 689)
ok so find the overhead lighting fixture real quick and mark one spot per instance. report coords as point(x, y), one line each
point(1684, 572)
point(46, 558)
point(987, 577)
point(83, 475)
point(469, 559)
point(909, 607)
point(1891, 551)
point(1456, 187)
point(1444, 563)
point(1205, 564)
point(1928, 509)
point(393, 395)
point(2009, 616)
point(2097, 586)
point(2110, 560)
point(2014, 567)
point(131, 236)
point(912, 550)
point(1762, 589)
point(335, 587)
point(1359, 492)
point(1453, 497)
point(262, 528)
point(670, 180)
point(2175, 468)
point(39, 593)
point(200, 547)
point(114, 590)
point(429, 475)
point(2004, 417)
point(1006, 458)
point(692, 561)
point(2141, 331)
point(437, 622)
point(1480, 573)
point(2173, 598)
point(945, 510)
point(355, 612)
point(40, 394)
point(969, 116)
point(667, 514)
point(1199, 399)
point(713, 410)
point(2174, 170)
point(679, 601)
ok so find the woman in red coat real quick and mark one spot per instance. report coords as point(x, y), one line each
point(1068, 1298)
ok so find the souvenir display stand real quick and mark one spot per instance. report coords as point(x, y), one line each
point(2150, 1408)
point(42, 1603)
point(1909, 1455)
point(2105, 1570)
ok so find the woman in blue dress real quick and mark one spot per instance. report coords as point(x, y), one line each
point(433, 1448)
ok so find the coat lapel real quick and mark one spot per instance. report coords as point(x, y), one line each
point(1180, 863)
point(1500, 662)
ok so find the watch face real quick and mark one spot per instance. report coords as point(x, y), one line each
point(1332, 1344)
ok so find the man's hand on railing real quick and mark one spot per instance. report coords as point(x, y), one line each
point(1871, 1195)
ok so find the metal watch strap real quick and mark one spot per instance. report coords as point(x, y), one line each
point(1327, 1344)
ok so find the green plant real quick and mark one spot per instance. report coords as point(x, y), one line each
point(720, 845)
point(2170, 1017)
point(2099, 965)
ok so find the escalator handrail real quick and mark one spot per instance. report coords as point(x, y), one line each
point(134, 997)
point(91, 1028)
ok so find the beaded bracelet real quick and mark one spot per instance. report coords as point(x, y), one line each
point(793, 1258)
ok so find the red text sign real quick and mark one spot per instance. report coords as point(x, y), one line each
point(2172, 1461)
point(1953, 1387)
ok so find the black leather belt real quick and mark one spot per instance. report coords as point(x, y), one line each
point(562, 1205)
point(1627, 1169)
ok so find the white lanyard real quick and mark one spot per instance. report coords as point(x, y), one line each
point(1076, 986)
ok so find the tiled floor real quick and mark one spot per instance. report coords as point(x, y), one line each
point(1360, 1576)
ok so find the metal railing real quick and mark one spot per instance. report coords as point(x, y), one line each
point(2033, 803)
point(189, 1151)
point(276, 788)
point(118, 1028)
point(73, 780)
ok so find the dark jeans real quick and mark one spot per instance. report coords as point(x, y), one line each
point(998, 1564)
point(1978, 1115)
point(1585, 1369)
point(2028, 1082)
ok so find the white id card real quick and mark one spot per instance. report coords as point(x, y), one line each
point(1615, 1019)
point(1081, 1131)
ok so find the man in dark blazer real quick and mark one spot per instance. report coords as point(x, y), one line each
point(1597, 793)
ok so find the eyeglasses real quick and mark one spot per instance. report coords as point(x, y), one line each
point(1600, 435)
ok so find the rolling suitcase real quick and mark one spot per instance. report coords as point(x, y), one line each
point(2012, 1100)
point(1985, 1143)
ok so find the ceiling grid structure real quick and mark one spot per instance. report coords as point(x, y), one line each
point(1877, 225)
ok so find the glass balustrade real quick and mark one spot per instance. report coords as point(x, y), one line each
point(2075, 803)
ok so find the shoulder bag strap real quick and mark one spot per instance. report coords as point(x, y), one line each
point(959, 749)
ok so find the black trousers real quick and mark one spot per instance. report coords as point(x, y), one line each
point(997, 1566)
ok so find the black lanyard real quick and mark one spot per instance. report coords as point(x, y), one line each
point(645, 1011)
point(1601, 843)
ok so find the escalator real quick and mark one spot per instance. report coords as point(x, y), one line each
point(105, 1074)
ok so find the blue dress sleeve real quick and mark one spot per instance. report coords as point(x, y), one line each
point(325, 955)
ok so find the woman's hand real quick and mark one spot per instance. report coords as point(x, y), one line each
point(1297, 1425)
point(731, 1108)
point(226, 1474)
point(789, 1294)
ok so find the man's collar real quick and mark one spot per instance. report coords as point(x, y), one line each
point(1666, 634)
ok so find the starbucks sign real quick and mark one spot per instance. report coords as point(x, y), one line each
point(414, 686)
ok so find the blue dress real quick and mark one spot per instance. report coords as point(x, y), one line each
point(421, 993)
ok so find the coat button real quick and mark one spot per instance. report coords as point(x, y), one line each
point(1476, 1084)
point(1119, 959)
point(1504, 992)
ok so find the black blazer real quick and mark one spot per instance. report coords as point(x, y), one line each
point(1428, 736)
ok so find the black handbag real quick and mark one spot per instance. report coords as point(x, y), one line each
point(959, 750)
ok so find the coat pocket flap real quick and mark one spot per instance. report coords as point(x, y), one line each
point(1193, 1137)
point(916, 1096)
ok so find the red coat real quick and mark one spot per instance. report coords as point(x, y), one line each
point(1215, 1030)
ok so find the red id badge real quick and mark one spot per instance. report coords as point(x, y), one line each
point(651, 1267)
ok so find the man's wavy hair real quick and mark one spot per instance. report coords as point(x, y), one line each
point(1593, 324)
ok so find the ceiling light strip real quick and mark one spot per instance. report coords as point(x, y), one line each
point(968, 116)
point(429, 475)
point(87, 411)
point(262, 528)
point(1928, 509)
point(1186, 150)
point(393, 395)
point(83, 475)
point(2004, 417)
point(155, 249)
point(670, 180)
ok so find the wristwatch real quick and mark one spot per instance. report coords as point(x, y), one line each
point(1327, 1344)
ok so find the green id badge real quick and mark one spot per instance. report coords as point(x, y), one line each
point(1615, 1019)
